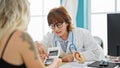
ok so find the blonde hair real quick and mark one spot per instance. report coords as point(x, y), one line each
point(60, 14)
point(14, 14)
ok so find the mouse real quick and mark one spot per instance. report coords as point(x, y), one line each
point(103, 63)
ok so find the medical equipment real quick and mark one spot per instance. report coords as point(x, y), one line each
point(72, 46)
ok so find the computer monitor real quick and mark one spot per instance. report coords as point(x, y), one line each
point(113, 33)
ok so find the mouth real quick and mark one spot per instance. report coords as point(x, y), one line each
point(58, 32)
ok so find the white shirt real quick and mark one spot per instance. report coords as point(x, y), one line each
point(83, 41)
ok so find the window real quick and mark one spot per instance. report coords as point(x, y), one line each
point(98, 17)
point(118, 5)
point(38, 25)
point(98, 6)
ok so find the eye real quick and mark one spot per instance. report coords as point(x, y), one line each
point(59, 24)
point(52, 26)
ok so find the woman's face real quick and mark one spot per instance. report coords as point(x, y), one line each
point(59, 28)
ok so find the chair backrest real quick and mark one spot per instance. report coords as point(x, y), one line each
point(99, 41)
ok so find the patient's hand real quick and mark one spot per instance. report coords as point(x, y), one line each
point(68, 58)
point(43, 53)
point(56, 64)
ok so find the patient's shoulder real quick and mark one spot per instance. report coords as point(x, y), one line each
point(22, 39)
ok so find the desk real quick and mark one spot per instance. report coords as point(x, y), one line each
point(75, 65)
point(78, 65)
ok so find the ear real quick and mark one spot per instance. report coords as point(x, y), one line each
point(66, 24)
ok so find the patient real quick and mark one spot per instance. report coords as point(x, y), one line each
point(17, 49)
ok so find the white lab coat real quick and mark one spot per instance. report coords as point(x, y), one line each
point(84, 42)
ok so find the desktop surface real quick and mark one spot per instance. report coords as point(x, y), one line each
point(75, 65)
point(86, 65)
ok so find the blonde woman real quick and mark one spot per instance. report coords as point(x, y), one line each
point(17, 49)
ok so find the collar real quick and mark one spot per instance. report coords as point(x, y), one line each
point(69, 39)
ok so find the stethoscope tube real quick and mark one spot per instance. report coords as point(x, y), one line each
point(72, 46)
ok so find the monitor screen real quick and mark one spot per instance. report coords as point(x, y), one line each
point(113, 31)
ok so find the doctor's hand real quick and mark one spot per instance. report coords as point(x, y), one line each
point(68, 58)
point(43, 53)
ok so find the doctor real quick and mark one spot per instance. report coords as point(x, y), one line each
point(68, 39)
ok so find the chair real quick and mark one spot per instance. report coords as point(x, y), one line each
point(98, 40)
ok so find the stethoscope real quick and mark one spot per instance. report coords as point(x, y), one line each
point(72, 46)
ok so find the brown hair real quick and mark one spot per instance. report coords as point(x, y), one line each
point(60, 14)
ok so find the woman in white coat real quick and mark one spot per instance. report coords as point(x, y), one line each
point(68, 39)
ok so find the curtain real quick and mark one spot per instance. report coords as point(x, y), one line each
point(71, 6)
